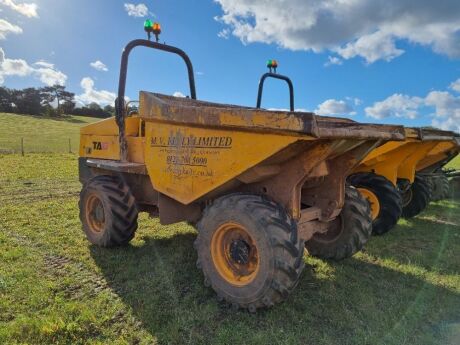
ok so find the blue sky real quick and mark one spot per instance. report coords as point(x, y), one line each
point(403, 66)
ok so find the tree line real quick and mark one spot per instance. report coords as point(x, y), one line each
point(52, 101)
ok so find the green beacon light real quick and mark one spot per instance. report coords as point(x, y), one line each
point(148, 27)
point(272, 65)
point(154, 28)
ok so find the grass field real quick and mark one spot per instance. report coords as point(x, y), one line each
point(56, 288)
point(40, 134)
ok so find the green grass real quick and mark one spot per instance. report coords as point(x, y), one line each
point(455, 163)
point(40, 134)
point(56, 288)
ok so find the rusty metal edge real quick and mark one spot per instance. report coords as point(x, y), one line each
point(432, 134)
point(117, 166)
point(313, 125)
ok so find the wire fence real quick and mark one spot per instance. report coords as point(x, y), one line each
point(24, 145)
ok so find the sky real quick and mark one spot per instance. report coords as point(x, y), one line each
point(392, 61)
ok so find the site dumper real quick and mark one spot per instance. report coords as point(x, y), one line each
point(256, 184)
point(394, 177)
point(432, 166)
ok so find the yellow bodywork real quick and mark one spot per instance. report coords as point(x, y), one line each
point(187, 162)
point(439, 153)
point(183, 161)
point(190, 148)
point(100, 140)
point(401, 160)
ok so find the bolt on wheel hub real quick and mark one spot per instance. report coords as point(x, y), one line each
point(239, 251)
point(235, 255)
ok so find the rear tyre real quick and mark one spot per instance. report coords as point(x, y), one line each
point(431, 185)
point(445, 186)
point(440, 187)
point(384, 199)
point(249, 251)
point(416, 198)
point(348, 233)
point(108, 211)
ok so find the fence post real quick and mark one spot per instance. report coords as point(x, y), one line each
point(22, 146)
point(70, 147)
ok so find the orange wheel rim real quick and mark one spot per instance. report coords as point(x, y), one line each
point(235, 255)
point(373, 201)
point(95, 215)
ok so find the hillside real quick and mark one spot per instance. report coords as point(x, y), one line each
point(40, 134)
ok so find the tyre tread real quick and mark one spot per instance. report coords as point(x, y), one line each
point(122, 209)
point(357, 230)
point(282, 234)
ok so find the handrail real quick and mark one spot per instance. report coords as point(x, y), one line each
point(120, 113)
point(275, 76)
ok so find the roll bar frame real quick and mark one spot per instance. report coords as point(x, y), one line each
point(120, 112)
point(275, 76)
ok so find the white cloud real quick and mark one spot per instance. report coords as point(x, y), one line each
point(369, 29)
point(140, 10)
point(15, 67)
point(333, 60)
point(225, 34)
point(26, 9)
point(45, 72)
point(447, 110)
point(90, 94)
point(372, 47)
point(444, 105)
point(335, 107)
point(178, 94)
point(12, 67)
point(7, 28)
point(397, 105)
point(449, 124)
point(99, 65)
point(455, 85)
point(50, 76)
point(44, 64)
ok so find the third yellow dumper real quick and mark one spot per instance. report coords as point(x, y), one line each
point(399, 178)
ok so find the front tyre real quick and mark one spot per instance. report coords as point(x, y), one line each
point(348, 233)
point(108, 211)
point(249, 251)
point(384, 199)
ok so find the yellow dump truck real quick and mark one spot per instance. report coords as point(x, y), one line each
point(256, 184)
point(398, 178)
